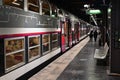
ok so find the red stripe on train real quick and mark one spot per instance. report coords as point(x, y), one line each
point(26, 34)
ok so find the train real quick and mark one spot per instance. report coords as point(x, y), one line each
point(34, 31)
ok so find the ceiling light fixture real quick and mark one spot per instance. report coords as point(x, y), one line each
point(96, 11)
point(15, 2)
point(86, 6)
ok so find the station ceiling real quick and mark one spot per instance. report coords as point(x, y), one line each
point(77, 8)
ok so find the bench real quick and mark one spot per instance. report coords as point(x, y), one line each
point(102, 52)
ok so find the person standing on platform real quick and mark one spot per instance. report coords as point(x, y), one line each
point(95, 35)
point(91, 34)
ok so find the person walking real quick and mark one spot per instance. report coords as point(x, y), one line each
point(95, 35)
point(91, 34)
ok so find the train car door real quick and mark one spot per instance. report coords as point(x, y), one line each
point(66, 38)
point(62, 24)
point(69, 33)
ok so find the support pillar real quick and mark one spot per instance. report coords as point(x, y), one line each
point(104, 24)
point(115, 39)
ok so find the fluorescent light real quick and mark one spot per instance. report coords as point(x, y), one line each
point(96, 11)
point(109, 10)
point(86, 5)
point(53, 15)
point(16, 3)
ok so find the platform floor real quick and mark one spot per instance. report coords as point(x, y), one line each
point(76, 64)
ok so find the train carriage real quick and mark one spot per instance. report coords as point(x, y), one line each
point(32, 32)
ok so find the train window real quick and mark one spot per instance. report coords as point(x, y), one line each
point(33, 5)
point(14, 52)
point(54, 10)
point(15, 3)
point(54, 41)
point(45, 8)
point(14, 59)
point(34, 47)
point(45, 43)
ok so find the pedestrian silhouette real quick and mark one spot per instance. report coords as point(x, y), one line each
point(91, 34)
point(95, 35)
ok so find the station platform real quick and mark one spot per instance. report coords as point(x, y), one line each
point(76, 64)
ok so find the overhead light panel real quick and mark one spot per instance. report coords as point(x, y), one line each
point(96, 11)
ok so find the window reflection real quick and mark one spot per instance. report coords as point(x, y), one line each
point(14, 45)
point(45, 7)
point(33, 5)
point(14, 59)
point(14, 52)
point(34, 47)
point(33, 41)
point(34, 52)
point(54, 10)
point(35, 2)
point(54, 40)
point(45, 38)
point(15, 3)
point(54, 44)
point(45, 43)
point(54, 37)
point(45, 47)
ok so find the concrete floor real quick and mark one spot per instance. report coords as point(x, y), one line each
point(76, 64)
